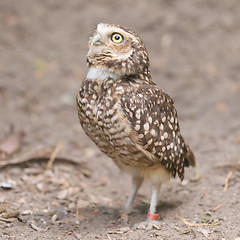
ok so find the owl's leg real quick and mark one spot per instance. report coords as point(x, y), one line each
point(136, 183)
point(152, 216)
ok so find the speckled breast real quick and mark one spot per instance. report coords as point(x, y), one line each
point(103, 121)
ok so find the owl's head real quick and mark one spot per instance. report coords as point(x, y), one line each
point(117, 50)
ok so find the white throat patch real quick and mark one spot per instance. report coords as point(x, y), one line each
point(100, 74)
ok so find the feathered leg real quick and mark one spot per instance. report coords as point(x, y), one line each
point(136, 183)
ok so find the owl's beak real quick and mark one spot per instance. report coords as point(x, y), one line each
point(96, 40)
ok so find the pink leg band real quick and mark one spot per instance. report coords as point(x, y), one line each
point(153, 216)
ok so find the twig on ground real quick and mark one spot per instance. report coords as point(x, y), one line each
point(38, 229)
point(34, 227)
point(227, 180)
point(56, 150)
point(189, 224)
point(108, 237)
point(77, 235)
point(25, 157)
point(120, 230)
point(217, 207)
point(11, 237)
point(8, 220)
point(38, 153)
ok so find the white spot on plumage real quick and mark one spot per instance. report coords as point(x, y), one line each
point(84, 100)
point(95, 110)
point(111, 111)
point(153, 132)
point(150, 119)
point(114, 118)
point(138, 115)
point(112, 130)
point(89, 105)
point(146, 126)
point(123, 134)
point(165, 135)
point(137, 127)
point(149, 141)
point(170, 125)
point(119, 88)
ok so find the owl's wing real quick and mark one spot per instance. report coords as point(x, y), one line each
point(153, 118)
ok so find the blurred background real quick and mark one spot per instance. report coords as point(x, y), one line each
point(194, 50)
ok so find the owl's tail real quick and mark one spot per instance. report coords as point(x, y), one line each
point(189, 157)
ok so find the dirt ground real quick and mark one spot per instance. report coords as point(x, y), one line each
point(194, 49)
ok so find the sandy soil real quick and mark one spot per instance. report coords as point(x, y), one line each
point(194, 50)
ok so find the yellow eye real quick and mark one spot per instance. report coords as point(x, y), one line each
point(117, 38)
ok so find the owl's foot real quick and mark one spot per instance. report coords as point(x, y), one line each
point(125, 213)
point(150, 223)
point(123, 217)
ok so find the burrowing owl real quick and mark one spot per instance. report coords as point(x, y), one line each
point(127, 115)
